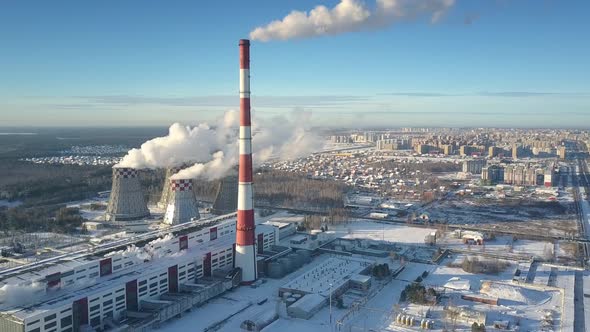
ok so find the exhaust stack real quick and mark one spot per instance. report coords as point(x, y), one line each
point(245, 257)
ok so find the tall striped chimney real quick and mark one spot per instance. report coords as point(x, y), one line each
point(245, 236)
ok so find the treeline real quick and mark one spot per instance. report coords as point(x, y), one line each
point(294, 190)
point(52, 184)
point(335, 216)
point(40, 219)
point(485, 266)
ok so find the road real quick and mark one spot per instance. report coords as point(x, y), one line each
point(580, 180)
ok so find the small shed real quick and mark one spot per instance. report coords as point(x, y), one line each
point(307, 306)
point(361, 282)
point(259, 321)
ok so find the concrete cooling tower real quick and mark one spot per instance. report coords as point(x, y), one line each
point(226, 198)
point(166, 190)
point(127, 201)
point(182, 203)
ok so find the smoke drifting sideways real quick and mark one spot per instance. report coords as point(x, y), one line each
point(213, 149)
point(349, 16)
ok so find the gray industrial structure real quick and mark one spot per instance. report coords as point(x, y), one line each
point(166, 190)
point(226, 198)
point(182, 203)
point(127, 200)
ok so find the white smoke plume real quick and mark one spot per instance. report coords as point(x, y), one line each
point(20, 294)
point(213, 149)
point(349, 16)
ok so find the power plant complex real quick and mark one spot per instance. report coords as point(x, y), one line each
point(137, 282)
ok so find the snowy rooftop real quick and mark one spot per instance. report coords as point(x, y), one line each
point(331, 275)
point(69, 261)
point(66, 296)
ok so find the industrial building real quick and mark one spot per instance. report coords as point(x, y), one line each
point(310, 291)
point(115, 282)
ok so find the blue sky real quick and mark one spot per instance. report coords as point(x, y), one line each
point(485, 63)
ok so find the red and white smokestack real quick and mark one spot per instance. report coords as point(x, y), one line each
point(245, 235)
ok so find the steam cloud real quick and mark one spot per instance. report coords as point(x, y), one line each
point(213, 149)
point(348, 16)
point(20, 294)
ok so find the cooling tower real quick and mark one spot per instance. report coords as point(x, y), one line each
point(127, 201)
point(166, 188)
point(226, 198)
point(182, 203)
point(245, 256)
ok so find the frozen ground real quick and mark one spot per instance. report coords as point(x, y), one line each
point(363, 229)
point(504, 245)
point(499, 211)
point(379, 313)
point(91, 215)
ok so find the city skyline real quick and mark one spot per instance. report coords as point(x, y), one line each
point(480, 64)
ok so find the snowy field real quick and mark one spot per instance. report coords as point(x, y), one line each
point(363, 229)
point(522, 305)
point(503, 245)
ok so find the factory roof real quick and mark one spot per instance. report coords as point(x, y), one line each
point(278, 224)
point(333, 274)
point(309, 302)
point(61, 263)
point(63, 297)
point(360, 278)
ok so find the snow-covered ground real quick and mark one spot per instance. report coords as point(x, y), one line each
point(503, 245)
point(363, 229)
point(519, 304)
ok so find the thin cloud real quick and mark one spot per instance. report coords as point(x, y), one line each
point(223, 101)
point(418, 94)
point(516, 94)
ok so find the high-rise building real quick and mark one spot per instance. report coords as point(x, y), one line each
point(494, 151)
point(493, 174)
point(515, 151)
point(473, 166)
point(561, 152)
point(448, 149)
